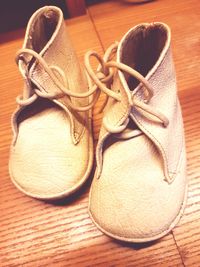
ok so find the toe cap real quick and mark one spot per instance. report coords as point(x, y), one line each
point(134, 203)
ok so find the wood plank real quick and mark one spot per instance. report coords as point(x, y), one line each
point(187, 233)
point(75, 7)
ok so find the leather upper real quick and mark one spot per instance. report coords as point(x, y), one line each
point(52, 151)
point(140, 185)
point(57, 51)
point(163, 81)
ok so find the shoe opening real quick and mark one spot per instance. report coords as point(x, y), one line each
point(141, 49)
point(42, 29)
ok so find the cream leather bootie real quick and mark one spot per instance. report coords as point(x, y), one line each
point(52, 151)
point(139, 190)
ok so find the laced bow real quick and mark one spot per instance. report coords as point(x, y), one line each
point(143, 107)
point(31, 93)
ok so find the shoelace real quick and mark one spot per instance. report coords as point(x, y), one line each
point(31, 94)
point(143, 107)
point(97, 82)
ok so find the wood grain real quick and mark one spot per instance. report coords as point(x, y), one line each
point(187, 233)
point(36, 233)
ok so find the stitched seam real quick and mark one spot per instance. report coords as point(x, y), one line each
point(123, 114)
point(163, 151)
point(79, 137)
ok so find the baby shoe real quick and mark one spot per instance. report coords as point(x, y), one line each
point(52, 151)
point(139, 190)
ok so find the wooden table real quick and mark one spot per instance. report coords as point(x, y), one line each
point(36, 233)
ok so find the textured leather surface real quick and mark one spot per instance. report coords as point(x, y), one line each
point(52, 152)
point(130, 198)
point(166, 139)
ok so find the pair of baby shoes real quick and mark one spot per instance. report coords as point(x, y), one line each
point(139, 190)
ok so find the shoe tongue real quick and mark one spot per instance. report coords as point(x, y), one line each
point(131, 131)
point(117, 112)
